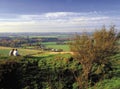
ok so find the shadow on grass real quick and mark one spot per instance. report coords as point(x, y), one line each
point(39, 58)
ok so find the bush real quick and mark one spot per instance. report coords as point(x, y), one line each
point(94, 50)
point(28, 73)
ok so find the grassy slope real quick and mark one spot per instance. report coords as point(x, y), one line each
point(113, 83)
point(4, 51)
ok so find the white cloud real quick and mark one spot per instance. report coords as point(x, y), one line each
point(60, 14)
point(54, 21)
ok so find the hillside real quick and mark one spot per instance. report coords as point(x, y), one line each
point(48, 70)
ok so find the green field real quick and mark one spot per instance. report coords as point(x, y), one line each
point(65, 47)
point(4, 51)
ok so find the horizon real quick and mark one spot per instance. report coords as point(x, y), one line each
point(58, 16)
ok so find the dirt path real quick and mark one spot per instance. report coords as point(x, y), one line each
point(61, 53)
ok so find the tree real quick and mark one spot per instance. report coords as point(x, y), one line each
point(95, 49)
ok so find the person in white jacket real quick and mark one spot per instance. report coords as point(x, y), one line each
point(15, 53)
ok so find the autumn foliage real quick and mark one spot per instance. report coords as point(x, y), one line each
point(93, 50)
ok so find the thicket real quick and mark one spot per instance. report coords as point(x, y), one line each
point(38, 73)
point(50, 73)
point(53, 73)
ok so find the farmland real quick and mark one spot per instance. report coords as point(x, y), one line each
point(65, 47)
point(46, 42)
point(34, 43)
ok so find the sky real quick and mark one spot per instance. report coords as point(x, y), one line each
point(58, 15)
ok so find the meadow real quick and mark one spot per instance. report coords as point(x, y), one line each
point(4, 51)
point(65, 47)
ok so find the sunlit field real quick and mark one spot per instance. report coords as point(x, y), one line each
point(5, 51)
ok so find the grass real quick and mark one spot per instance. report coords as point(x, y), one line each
point(4, 51)
point(47, 56)
point(65, 47)
point(113, 83)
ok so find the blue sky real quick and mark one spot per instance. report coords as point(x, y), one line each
point(57, 15)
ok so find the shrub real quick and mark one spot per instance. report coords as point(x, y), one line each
point(94, 50)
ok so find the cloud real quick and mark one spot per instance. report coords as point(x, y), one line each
point(54, 21)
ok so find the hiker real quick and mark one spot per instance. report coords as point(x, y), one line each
point(11, 52)
point(15, 53)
